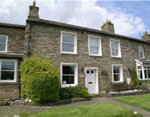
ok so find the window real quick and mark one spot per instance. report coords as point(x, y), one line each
point(3, 43)
point(68, 43)
point(147, 72)
point(117, 73)
point(95, 46)
point(69, 74)
point(139, 72)
point(115, 48)
point(141, 52)
point(8, 69)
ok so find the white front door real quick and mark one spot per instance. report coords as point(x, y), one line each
point(91, 80)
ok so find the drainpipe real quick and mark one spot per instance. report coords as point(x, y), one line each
point(28, 52)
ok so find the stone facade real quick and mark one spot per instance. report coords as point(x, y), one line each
point(15, 50)
point(45, 41)
point(42, 38)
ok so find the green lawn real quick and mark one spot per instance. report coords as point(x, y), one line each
point(142, 101)
point(96, 110)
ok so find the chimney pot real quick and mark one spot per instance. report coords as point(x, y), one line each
point(33, 11)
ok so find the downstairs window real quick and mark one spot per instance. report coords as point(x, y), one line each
point(8, 70)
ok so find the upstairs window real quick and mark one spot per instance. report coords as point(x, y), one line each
point(95, 46)
point(141, 52)
point(3, 43)
point(68, 43)
point(115, 48)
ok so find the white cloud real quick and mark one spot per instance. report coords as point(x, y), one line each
point(78, 12)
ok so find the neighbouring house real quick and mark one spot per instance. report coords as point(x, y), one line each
point(87, 57)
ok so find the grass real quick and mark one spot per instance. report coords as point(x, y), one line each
point(142, 101)
point(96, 110)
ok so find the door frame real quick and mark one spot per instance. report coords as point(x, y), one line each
point(96, 80)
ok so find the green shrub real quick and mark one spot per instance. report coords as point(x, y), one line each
point(133, 74)
point(39, 80)
point(74, 92)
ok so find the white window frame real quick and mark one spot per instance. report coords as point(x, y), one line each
point(121, 73)
point(119, 48)
point(76, 74)
point(75, 43)
point(6, 44)
point(141, 52)
point(100, 45)
point(15, 71)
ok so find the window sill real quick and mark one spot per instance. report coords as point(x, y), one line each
point(94, 55)
point(116, 56)
point(3, 51)
point(67, 85)
point(119, 82)
point(68, 53)
point(8, 83)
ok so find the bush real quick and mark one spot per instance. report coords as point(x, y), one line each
point(136, 80)
point(39, 80)
point(74, 92)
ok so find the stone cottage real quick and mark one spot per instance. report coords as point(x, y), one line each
point(84, 56)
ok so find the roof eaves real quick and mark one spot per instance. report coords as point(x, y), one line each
point(12, 25)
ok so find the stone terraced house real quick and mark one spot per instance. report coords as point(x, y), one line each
point(87, 57)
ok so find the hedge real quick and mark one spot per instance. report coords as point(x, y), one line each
point(74, 92)
point(39, 80)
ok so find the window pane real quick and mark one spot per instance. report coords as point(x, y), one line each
point(140, 48)
point(148, 73)
point(116, 77)
point(139, 67)
point(94, 50)
point(68, 47)
point(2, 47)
point(145, 72)
point(2, 39)
point(115, 52)
point(68, 69)
point(114, 44)
point(68, 38)
point(68, 80)
point(6, 65)
point(116, 69)
point(94, 42)
point(7, 75)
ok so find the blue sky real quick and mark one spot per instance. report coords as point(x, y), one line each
point(137, 8)
point(129, 18)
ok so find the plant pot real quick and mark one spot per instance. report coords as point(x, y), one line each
point(107, 91)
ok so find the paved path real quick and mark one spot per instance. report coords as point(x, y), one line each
point(93, 101)
point(21, 109)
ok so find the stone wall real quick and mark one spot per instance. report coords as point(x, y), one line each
point(15, 38)
point(15, 46)
point(45, 41)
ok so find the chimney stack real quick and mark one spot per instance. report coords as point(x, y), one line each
point(146, 36)
point(33, 11)
point(108, 27)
